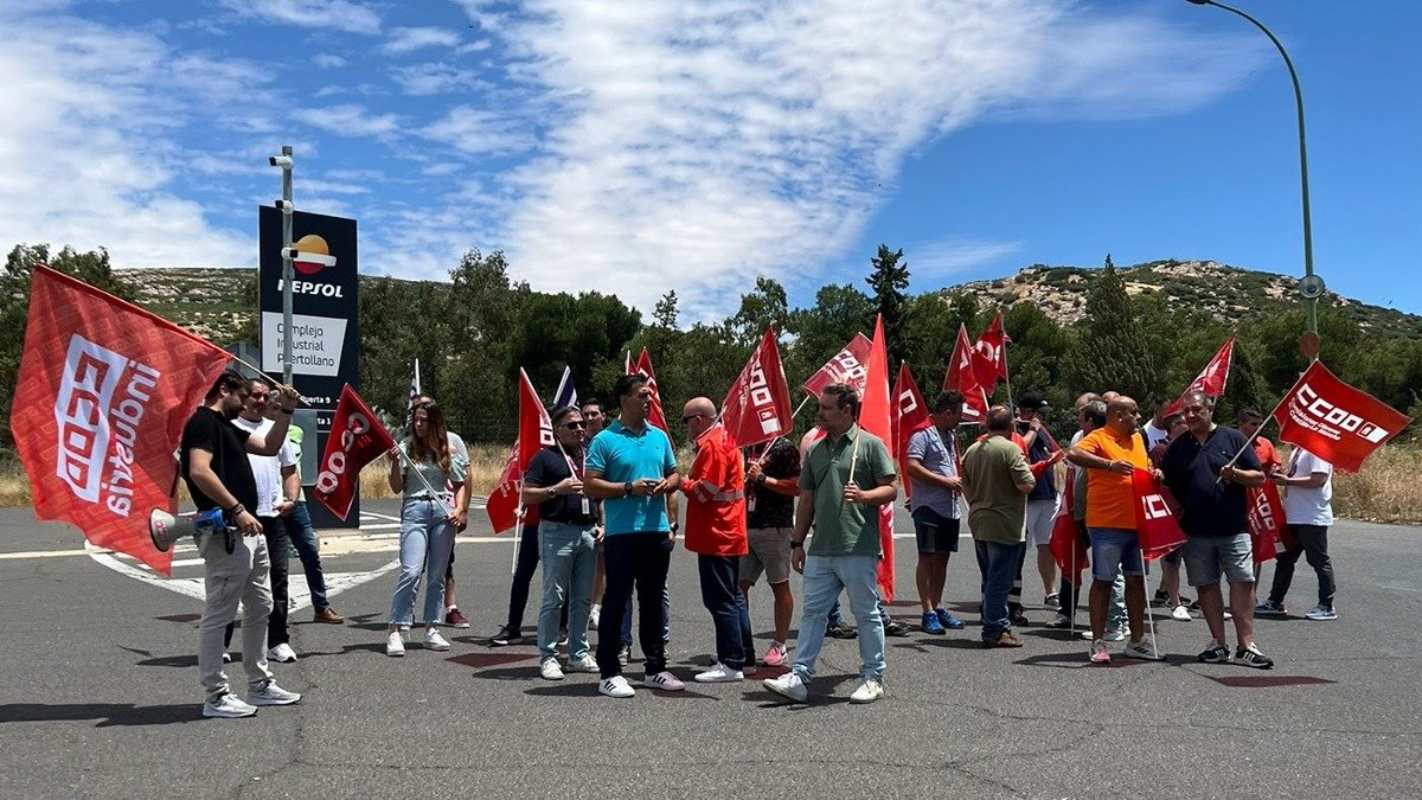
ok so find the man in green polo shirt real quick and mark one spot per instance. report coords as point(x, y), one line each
point(996, 481)
point(848, 476)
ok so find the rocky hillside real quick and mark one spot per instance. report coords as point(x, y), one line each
point(216, 302)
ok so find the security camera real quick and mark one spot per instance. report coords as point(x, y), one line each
point(280, 161)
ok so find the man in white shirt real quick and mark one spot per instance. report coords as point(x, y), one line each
point(277, 490)
point(1308, 511)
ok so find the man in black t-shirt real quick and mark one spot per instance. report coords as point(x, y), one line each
point(1210, 492)
point(213, 462)
point(772, 482)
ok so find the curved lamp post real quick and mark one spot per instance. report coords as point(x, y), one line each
point(1311, 285)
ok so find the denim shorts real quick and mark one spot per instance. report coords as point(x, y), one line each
point(1207, 557)
point(1115, 551)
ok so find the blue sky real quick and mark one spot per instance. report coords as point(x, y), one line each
point(695, 145)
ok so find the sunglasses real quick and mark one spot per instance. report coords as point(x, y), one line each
point(573, 425)
point(690, 417)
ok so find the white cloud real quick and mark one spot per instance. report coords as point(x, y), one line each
point(405, 40)
point(476, 132)
point(719, 140)
point(328, 60)
point(930, 262)
point(435, 78)
point(341, 15)
point(348, 120)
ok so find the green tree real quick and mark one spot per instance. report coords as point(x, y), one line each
point(763, 307)
point(1112, 351)
point(888, 281)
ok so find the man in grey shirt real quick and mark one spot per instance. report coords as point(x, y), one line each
point(932, 467)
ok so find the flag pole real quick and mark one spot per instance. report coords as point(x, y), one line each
point(760, 460)
point(1248, 443)
point(405, 459)
point(263, 374)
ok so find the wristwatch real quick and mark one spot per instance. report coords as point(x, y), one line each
point(627, 489)
point(794, 545)
point(675, 526)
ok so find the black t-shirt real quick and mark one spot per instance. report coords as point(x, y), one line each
point(547, 469)
point(772, 509)
point(1208, 507)
point(210, 431)
point(1039, 451)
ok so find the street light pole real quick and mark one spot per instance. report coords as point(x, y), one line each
point(1311, 286)
point(288, 209)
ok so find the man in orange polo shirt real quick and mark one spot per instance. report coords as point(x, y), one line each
point(1111, 454)
point(716, 532)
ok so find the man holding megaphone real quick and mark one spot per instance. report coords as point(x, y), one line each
point(213, 457)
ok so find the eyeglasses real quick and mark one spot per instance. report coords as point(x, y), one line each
point(689, 417)
point(573, 425)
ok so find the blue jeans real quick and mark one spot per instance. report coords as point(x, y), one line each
point(308, 548)
point(825, 577)
point(998, 564)
point(426, 538)
point(721, 594)
point(568, 553)
point(666, 619)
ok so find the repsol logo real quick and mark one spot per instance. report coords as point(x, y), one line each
point(98, 425)
point(1308, 402)
point(312, 288)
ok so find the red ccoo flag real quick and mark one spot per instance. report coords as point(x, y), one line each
point(535, 431)
point(1069, 551)
point(990, 356)
point(644, 367)
point(757, 409)
point(847, 366)
point(962, 378)
point(356, 439)
point(1266, 521)
point(1334, 421)
point(910, 417)
point(103, 392)
point(1156, 526)
point(876, 417)
point(1211, 380)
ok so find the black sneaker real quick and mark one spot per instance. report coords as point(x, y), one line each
point(1019, 618)
point(1214, 654)
point(838, 630)
point(893, 627)
point(1160, 598)
point(1251, 657)
point(507, 636)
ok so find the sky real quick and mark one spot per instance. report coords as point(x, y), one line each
point(637, 147)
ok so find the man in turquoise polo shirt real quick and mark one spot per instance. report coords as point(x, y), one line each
point(631, 467)
point(844, 553)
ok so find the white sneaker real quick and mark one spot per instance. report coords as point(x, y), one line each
point(434, 641)
point(394, 645)
point(282, 654)
point(868, 692)
point(789, 686)
point(585, 664)
point(720, 673)
point(226, 657)
point(665, 681)
point(1141, 650)
point(1228, 615)
point(1321, 613)
point(269, 694)
point(616, 686)
point(594, 616)
point(228, 706)
point(550, 670)
point(1117, 634)
point(1181, 613)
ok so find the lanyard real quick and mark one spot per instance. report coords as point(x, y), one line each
point(577, 470)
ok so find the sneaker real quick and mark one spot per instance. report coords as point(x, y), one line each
point(838, 630)
point(394, 645)
point(1270, 607)
point(893, 627)
point(776, 655)
point(788, 686)
point(949, 621)
point(1214, 653)
point(1052, 601)
point(562, 637)
point(507, 636)
point(549, 670)
point(1117, 634)
point(594, 616)
point(868, 691)
point(434, 641)
point(282, 654)
point(455, 618)
point(665, 681)
point(1143, 651)
point(1060, 621)
point(267, 693)
point(1018, 618)
point(1251, 657)
point(1004, 639)
point(227, 706)
point(585, 664)
point(1086, 634)
point(1181, 613)
point(624, 655)
point(720, 673)
point(226, 657)
point(931, 624)
point(1228, 615)
point(328, 616)
point(1160, 598)
point(1100, 653)
point(616, 686)
point(1321, 613)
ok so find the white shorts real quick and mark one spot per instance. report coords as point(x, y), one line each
point(1041, 517)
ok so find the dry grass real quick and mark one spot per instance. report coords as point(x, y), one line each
point(1385, 491)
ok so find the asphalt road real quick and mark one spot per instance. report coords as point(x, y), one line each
point(99, 697)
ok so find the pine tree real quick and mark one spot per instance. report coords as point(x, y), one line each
point(1113, 352)
point(889, 282)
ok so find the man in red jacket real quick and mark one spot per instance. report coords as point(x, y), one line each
point(716, 532)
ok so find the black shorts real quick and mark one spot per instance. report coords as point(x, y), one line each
point(935, 532)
